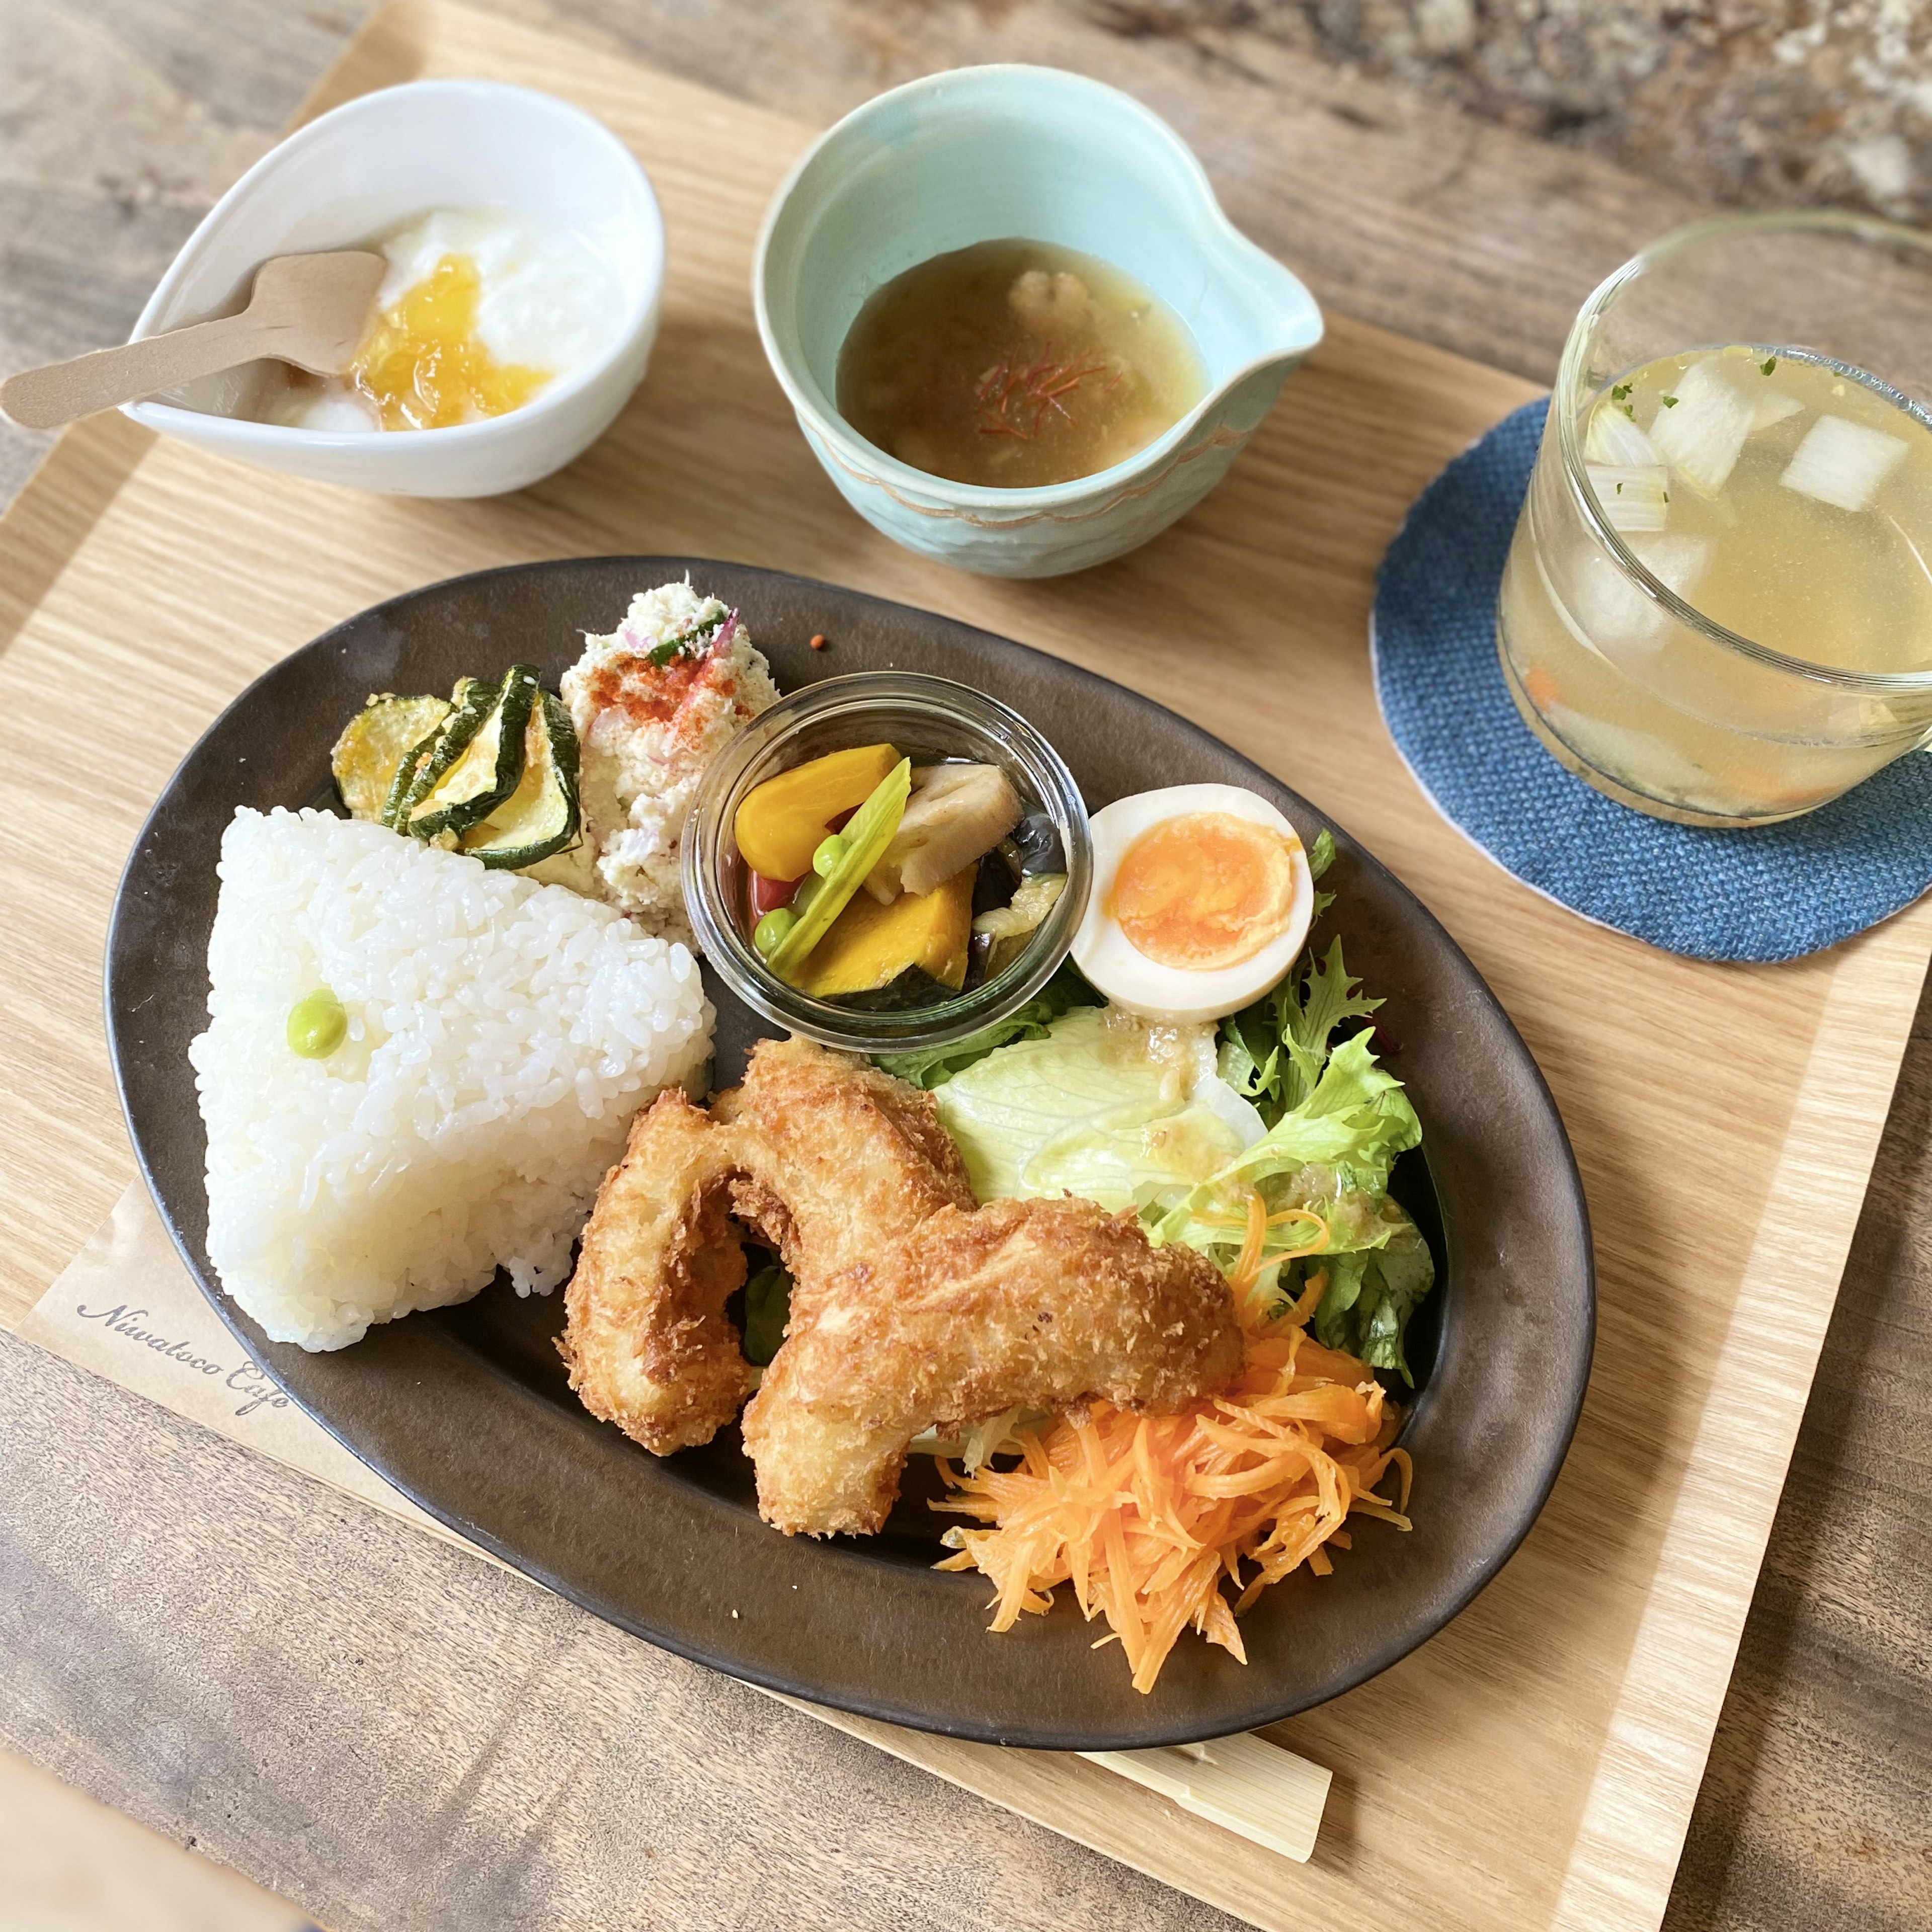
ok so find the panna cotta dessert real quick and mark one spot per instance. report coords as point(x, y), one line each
point(482, 309)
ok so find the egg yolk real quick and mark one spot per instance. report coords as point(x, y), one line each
point(1203, 891)
point(423, 365)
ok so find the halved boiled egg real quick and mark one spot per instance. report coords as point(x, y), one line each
point(1202, 899)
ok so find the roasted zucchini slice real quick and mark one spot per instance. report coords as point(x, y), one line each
point(374, 745)
point(470, 703)
point(540, 817)
point(484, 772)
point(403, 785)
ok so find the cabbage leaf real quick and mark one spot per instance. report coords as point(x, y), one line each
point(1088, 1109)
point(934, 1065)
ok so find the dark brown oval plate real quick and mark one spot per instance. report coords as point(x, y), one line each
point(467, 1410)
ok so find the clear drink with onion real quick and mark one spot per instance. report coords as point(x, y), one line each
point(1718, 605)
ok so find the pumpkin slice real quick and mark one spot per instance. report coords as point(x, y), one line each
point(869, 945)
point(781, 823)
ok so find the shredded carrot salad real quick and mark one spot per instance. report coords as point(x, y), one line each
point(1144, 1515)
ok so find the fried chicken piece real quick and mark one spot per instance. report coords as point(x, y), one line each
point(835, 1156)
point(1038, 1303)
point(823, 1155)
point(646, 1339)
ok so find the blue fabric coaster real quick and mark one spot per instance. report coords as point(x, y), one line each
point(1770, 892)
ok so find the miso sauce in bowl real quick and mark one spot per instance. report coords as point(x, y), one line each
point(1012, 363)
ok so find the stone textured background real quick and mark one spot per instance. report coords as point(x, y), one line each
point(1821, 101)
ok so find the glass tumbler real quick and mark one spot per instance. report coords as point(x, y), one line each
point(1718, 605)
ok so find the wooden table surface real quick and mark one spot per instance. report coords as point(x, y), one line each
point(129, 117)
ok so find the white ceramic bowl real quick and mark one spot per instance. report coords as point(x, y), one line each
point(373, 162)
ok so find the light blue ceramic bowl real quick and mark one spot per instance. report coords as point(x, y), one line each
point(988, 152)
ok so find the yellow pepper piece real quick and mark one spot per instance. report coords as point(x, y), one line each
point(781, 823)
point(870, 945)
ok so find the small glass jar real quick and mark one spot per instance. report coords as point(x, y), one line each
point(931, 718)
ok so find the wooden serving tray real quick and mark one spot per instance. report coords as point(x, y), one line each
point(1535, 1764)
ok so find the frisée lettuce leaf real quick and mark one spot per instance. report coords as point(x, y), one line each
point(1355, 1122)
point(1328, 1158)
point(1371, 1295)
point(1273, 1052)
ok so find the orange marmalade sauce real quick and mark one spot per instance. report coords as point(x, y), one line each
point(423, 366)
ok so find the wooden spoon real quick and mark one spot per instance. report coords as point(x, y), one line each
point(309, 309)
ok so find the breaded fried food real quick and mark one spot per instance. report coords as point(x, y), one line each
point(646, 1339)
point(835, 1156)
point(822, 1156)
point(1035, 1302)
point(910, 1306)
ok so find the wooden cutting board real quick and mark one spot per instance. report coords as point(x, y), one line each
point(1535, 1764)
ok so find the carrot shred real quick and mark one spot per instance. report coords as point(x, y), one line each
point(1146, 1516)
point(1250, 1265)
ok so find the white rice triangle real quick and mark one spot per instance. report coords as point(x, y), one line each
point(502, 1035)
